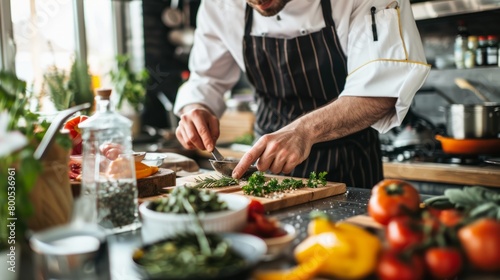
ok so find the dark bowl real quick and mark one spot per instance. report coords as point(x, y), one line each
point(251, 248)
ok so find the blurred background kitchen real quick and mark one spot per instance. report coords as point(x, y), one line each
point(64, 49)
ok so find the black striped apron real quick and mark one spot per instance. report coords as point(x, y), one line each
point(295, 76)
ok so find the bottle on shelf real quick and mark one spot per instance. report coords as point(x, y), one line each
point(109, 186)
point(481, 51)
point(492, 50)
point(461, 44)
point(470, 53)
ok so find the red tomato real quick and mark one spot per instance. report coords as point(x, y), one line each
point(72, 125)
point(443, 262)
point(265, 226)
point(392, 266)
point(75, 133)
point(481, 243)
point(255, 207)
point(391, 198)
point(450, 217)
point(404, 233)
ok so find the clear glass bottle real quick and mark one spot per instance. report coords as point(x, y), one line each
point(470, 54)
point(108, 170)
point(492, 50)
point(481, 51)
point(461, 44)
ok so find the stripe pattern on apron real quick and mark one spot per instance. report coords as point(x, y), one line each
point(295, 76)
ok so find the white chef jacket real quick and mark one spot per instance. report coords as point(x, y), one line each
point(392, 66)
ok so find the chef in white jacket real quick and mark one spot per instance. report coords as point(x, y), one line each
point(329, 75)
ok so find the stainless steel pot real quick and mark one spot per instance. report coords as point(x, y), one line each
point(473, 121)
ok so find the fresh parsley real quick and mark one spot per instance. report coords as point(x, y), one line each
point(258, 186)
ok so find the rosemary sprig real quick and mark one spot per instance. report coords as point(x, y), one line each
point(213, 182)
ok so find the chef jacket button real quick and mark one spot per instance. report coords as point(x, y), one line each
point(264, 34)
point(303, 31)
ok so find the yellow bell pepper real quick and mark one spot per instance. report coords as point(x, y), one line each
point(353, 251)
point(143, 170)
point(319, 223)
point(340, 250)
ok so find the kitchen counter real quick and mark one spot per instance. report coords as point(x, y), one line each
point(121, 246)
point(339, 207)
point(487, 175)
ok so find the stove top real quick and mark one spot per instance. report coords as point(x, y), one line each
point(419, 154)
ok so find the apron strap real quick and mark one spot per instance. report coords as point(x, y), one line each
point(248, 20)
point(326, 5)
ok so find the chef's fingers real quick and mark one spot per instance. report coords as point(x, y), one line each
point(181, 136)
point(200, 129)
point(190, 132)
point(248, 159)
point(207, 128)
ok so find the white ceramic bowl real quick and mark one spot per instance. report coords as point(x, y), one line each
point(159, 225)
point(278, 245)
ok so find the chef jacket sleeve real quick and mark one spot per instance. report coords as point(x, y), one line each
point(385, 56)
point(213, 69)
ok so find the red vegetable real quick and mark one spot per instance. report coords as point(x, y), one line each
point(75, 133)
point(391, 198)
point(443, 262)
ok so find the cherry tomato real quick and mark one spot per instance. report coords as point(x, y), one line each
point(393, 266)
point(443, 262)
point(481, 243)
point(450, 217)
point(75, 133)
point(265, 226)
point(391, 198)
point(255, 207)
point(404, 233)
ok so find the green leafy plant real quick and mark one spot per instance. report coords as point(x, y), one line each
point(71, 88)
point(20, 133)
point(129, 86)
point(259, 186)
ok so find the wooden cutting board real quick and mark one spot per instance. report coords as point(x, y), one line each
point(296, 197)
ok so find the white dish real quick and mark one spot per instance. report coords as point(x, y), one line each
point(276, 246)
point(154, 159)
point(159, 225)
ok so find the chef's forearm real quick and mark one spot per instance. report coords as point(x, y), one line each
point(346, 115)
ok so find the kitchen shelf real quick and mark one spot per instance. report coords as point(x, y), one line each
point(442, 8)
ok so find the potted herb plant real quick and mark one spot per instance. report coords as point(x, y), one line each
point(21, 173)
point(68, 88)
point(130, 88)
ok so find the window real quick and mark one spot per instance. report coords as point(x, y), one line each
point(51, 34)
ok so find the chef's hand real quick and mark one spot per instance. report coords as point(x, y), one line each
point(198, 128)
point(279, 152)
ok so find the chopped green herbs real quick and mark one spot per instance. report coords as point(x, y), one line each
point(201, 201)
point(317, 179)
point(258, 186)
point(183, 256)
